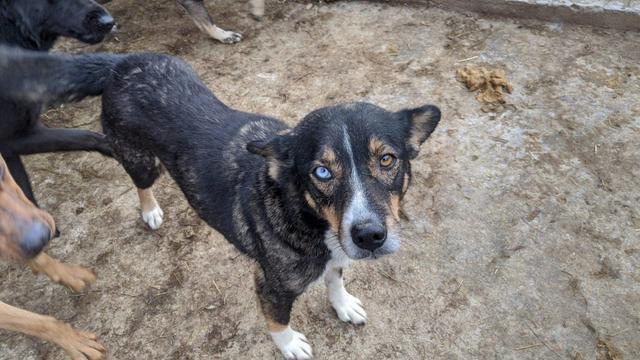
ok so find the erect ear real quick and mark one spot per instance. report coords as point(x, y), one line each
point(420, 123)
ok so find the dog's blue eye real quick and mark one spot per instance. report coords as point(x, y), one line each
point(322, 173)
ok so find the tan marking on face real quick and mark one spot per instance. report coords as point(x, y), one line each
point(394, 205)
point(332, 218)
point(328, 159)
point(405, 183)
point(15, 208)
point(273, 168)
point(309, 200)
point(377, 148)
point(284, 132)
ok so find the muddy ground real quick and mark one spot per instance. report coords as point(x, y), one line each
point(524, 240)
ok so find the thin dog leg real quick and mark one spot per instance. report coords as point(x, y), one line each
point(256, 7)
point(151, 212)
point(276, 307)
point(74, 277)
point(77, 344)
point(348, 307)
point(44, 140)
point(19, 173)
point(203, 21)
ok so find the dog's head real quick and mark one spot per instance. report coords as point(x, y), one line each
point(83, 20)
point(350, 163)
point(24, 229)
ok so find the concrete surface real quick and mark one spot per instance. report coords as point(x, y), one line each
point(525, 234)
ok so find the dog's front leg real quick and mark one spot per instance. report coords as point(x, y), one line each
point(77, 344)
point(348, 307)
point(75, 278)
point(276, 306)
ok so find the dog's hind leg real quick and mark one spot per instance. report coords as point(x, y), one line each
point(74, 277)
point(141, 166)
point(44, 140)
point(77, 344)
point(203, 21)
point(152, 214)
point(276, 306)
point(348, 307)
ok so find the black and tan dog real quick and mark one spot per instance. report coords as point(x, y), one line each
point(24, 231)
point(302, 202)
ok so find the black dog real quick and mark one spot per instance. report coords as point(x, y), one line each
point(35, 25)
point(302, 202)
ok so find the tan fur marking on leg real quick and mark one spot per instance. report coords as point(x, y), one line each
point(274, 326)
point(50, 329)
point(74, 277)
point(147, 200)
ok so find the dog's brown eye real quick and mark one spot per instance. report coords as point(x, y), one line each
point(387, 160)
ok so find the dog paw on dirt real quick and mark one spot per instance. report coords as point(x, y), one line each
point(78, 345)
point(74, 277)
point(292, 344)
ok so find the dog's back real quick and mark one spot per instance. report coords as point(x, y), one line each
point(156, 106)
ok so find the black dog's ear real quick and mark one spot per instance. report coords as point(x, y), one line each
point(420, 123)
point(276, 148)
point(277, 152)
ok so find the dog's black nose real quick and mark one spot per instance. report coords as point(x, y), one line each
point(36, 236)
point(369, 236)
point(100, 22)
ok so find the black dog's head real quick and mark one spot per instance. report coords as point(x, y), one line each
point(351, 165)
point(83, 20)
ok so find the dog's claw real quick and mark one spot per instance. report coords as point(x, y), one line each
point(153, 218)
point(79, 345)
point(231, 37)
point(292, 344)
point(349, 308)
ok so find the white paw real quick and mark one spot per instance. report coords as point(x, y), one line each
point(349, 308)
point(292, 344)
point(230, 37)
point(153, 218)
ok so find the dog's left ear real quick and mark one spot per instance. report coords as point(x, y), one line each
point(419, 124)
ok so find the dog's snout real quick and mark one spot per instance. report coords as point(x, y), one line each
point(35, 237)
point(369, 236)
point(100, 22)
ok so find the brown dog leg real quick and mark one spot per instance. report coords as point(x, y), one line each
point(74, 277)
point(77, 344)
point(200, 16)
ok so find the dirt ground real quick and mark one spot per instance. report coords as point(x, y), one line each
point(524, 239)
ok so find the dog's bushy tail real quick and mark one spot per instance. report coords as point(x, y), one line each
point(53, 79)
